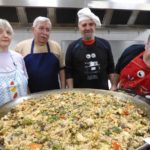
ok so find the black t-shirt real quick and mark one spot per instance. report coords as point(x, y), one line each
point(89, 65)
point(128, 54)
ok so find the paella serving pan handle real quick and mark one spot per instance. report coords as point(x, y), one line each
point(145, 146)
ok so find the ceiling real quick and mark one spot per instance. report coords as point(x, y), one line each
point(63, 13)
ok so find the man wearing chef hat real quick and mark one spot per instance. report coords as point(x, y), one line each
point(89, 60)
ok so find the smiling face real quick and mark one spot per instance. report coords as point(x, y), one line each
point(5, 38)
point(87, 29)
point(41, 32)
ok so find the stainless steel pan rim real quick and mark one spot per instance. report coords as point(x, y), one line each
point(122, 96)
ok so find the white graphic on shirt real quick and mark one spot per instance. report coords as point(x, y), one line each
point(93, 55)
point(92, 66)
point(130, 78)
point(141, 74)
point(88, 56)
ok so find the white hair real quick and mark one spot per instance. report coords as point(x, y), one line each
point(39, 20)
point(4, 24)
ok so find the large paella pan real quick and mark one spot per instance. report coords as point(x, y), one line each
point(78, 119)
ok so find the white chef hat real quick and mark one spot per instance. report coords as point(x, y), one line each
point(85, 13)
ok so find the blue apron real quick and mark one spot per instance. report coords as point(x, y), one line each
point(13, 84)
point(43, 70)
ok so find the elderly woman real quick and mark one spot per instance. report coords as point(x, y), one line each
point(13, 75)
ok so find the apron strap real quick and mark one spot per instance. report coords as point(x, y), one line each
point(32, 47)
point(13, 60)
point(48, 48)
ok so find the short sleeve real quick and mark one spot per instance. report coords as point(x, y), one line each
point(56, 50)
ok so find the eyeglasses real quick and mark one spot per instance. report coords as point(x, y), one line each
point(88, 24)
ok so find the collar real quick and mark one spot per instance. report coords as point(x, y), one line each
point(89, 42)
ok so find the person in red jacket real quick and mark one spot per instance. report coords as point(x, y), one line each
point(133, 69)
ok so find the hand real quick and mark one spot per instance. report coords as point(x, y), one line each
point(113, 88)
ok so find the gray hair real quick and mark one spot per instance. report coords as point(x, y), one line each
point(39, 20)
point(4, 24)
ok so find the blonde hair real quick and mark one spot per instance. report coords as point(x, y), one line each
point(41, 19)
point(4, 24)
